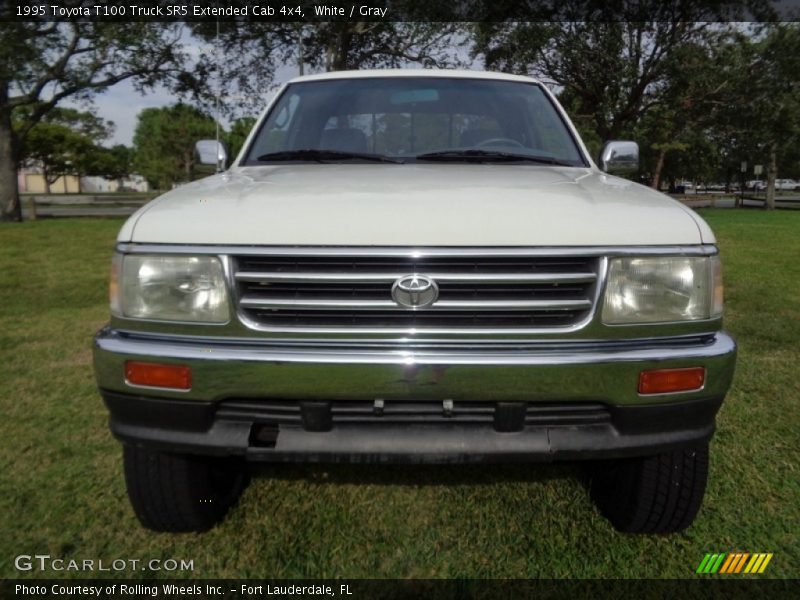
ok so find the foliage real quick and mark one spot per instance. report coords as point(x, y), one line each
point(65, 142)
point(164, 142)
point(56, 149)
point(112, 163)
point(676, 132)
point(700, 94)
point(43, 63)
point(735, 100)
point(240, 129)
point(762, 115)
point(252, 52)
point(613, 71)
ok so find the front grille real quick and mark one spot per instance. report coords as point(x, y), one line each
point(505, 292)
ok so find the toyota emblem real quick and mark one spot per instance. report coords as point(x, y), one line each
point(415, 291)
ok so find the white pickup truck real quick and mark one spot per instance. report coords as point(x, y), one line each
point(415, 265)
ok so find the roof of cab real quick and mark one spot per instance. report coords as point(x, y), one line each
point(454, 73)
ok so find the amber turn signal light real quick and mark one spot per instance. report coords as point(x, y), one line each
point(665, 381)
point(157, 375)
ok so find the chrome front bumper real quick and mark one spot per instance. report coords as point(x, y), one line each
point(606, 372)
point(233, 381)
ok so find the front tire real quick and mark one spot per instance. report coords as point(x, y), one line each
point(654, 494)
point(180, 493)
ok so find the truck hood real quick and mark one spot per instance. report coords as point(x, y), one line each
point(415, 205)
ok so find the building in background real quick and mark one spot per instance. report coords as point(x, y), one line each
point(31, 181)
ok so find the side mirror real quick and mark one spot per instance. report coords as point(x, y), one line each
point(211, 152)
point(619, 158)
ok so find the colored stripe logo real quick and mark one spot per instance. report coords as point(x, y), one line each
point(734, 562)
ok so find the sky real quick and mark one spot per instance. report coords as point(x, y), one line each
point(121, 104)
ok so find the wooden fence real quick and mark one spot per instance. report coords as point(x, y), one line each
point(82, 205)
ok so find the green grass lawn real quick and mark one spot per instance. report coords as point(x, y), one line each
point(62, 492)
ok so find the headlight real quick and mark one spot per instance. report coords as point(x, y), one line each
point(662, 289)
point(169, 288)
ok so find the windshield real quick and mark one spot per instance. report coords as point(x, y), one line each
point(403, 119)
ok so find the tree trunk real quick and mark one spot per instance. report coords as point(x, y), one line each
point(338, 50)
point(656, 182)
point(772, 173)
point(46, 180)
point(10, 209)
point(301, 52)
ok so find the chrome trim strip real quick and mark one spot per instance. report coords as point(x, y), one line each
point(156, 388)
point(292, 277)
point(669, 339)
point(722, 344)
point(249, 250)
point(355, 304)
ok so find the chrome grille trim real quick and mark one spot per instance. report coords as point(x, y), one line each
point(333, 304)
point(439, 277)
point(509, 292)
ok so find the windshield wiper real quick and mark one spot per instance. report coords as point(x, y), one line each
point(490, 155)
point(324, 155)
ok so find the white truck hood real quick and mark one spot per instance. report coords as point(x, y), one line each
point(415, 205)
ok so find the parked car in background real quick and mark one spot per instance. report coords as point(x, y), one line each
point(752, 184)
point(685, 187)
point(781, 185)
point(711, 187)
point(787, 184)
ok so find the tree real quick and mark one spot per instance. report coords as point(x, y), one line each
point(63, 142)
point(55, 148)
point(768, 96)
point(252, 50)
point(164, 142)
point(336, 46)
point(613, 63)
point(112, 163)
point(684, 118)
point(614, 70)
point(240, 129)
point(42, 63)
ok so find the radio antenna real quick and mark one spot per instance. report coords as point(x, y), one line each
point(220, 165)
